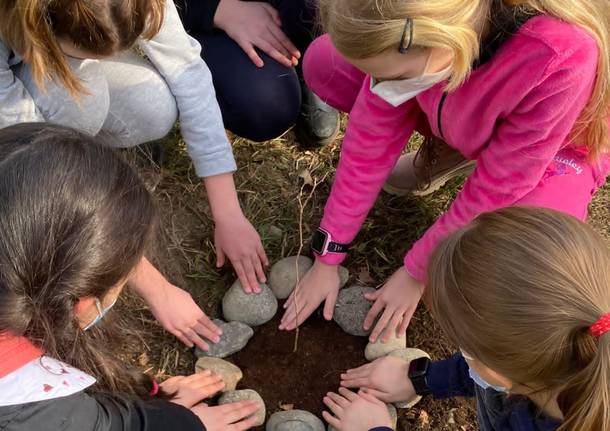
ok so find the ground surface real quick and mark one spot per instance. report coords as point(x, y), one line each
point(273, 178)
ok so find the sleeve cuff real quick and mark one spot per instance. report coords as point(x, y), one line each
point(414, 269)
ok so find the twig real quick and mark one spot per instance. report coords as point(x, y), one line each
point(302, 206)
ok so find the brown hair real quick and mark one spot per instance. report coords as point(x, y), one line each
point(519, 290)
point(74, 222)
point(365, 28)
point(102, 27)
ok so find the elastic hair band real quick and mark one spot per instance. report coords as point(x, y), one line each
point(600, 327)
point(404, 47)
point(155, 389)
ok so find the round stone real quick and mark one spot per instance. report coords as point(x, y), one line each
point(231, 374)
point(393, 417)
point(253, 309)
point(235, 336)
point(294, 420)
point(351, 310)
point(283, 275)
point(408, 355)
point(246, 395)
point(378, 349)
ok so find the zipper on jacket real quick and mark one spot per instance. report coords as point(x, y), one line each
point(439, 116)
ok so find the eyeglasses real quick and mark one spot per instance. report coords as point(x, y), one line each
point(405, 44)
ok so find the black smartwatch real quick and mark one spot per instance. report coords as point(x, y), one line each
point(418, 374)
point(322, 244)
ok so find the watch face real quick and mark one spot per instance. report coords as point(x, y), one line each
point(319, 241)
point(419, 367)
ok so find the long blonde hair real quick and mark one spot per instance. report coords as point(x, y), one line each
point(365, 28)
point(32, 28)
point(519, 290)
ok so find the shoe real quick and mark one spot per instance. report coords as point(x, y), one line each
point(318, 123)
point(426, 170)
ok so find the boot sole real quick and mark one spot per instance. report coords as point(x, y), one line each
point(435, 185)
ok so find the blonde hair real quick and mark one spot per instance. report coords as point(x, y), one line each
point(365, 28)
point(526, 313)
point(32, 28)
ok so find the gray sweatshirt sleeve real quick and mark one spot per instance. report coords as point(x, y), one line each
point(16, 104)
point(177, 56)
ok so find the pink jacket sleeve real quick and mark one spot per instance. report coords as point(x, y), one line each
point(376, 134)
point(523, 145)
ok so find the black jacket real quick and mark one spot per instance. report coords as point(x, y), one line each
point(82, 412)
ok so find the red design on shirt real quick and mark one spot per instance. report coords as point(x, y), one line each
point(46, 387)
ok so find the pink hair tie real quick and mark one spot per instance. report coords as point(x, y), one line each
point(155, 389)
point(602, 326)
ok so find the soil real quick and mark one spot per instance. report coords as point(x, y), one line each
point(283, 377)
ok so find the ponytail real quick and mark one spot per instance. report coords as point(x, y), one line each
point(33, 29)
point(585, 399)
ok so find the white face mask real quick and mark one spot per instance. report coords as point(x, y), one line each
point(476, 377)
point(397, 92)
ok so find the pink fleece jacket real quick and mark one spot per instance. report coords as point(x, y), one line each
point(512, 116)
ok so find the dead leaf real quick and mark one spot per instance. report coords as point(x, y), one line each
point(305, 175)
point(286, 407)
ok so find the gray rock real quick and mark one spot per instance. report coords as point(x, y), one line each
point(235, 336)
point(294, 420)
point(351, 309)
point(231, 374)
point(378, 349)
point(343, 276)
point(252, 309)
point(283, 275)
point(408, 355)
point(246, 395)
point(393, 416)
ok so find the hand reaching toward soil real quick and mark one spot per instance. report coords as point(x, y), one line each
point(190, 391)
point(228, 417)
point(398, 299)
point(355, 412)
point(320, 283)
point(173, 307)
point(385, 378)
point(256, 24)
point(237, 239)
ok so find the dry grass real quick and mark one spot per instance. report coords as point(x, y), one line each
point(269, 180)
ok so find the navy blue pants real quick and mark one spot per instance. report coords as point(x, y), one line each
point(256, 103)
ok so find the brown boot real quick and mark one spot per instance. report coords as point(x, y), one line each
point(426, 170)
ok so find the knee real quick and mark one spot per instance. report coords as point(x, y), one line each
point(267, 108)
point(318, 64)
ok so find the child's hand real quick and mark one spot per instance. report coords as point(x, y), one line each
point(228, 417)
point(320, 283)
point(385, 378)
point(190, 391)
point(237, 239)
point(398, 299)
point(173, 307)
point(180, 315)
point(355, 412)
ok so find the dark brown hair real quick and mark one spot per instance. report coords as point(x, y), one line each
point(75, 220)
point(102, 27)
point(519, 290)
